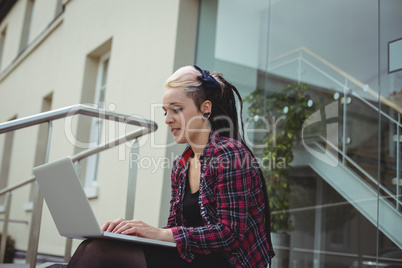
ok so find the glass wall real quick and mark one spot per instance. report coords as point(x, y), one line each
point(322, 84)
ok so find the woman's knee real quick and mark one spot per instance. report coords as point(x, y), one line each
point(110, 253)
point(96, 245)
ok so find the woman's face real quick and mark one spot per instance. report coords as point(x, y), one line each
point(184, 119)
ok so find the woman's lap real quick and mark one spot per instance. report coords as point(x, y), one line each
point(111, 253)
point(157, 256)
point(103, 253)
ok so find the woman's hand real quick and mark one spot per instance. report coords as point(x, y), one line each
point(138, 228)
point(110, 225)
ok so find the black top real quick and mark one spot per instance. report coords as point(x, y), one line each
point(191, 209)
point(157, 256)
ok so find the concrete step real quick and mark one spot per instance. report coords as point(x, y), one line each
point(13, 265)
point(42, 265)
point(52, 265)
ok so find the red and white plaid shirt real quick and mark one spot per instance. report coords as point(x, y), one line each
point(231, 202)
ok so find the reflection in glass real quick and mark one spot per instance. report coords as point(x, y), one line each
point(332, 55)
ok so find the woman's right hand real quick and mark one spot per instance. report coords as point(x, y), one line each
point(111, 225)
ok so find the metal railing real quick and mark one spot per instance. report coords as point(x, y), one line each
point(316, 139)
point(146, 126)
point(298, 58)
point(306, 56)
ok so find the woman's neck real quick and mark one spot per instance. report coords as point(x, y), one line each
point(199, 145)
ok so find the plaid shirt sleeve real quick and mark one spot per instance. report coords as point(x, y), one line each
point(226, 231)
point(172, 219)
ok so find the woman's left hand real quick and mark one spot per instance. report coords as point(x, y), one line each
point(137, 228)
point(141, 229)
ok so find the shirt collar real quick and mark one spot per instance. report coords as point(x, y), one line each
point(207, 152)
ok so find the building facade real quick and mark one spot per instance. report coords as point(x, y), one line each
point(335, 62)
point(108, 54)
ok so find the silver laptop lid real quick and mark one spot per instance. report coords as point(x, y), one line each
point(65, 197)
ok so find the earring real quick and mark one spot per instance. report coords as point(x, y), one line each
point(206, 115)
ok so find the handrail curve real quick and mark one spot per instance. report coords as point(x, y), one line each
point(146, 126)
point(71, 111)
point(354, 80)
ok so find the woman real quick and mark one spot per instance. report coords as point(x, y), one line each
point(219, 213)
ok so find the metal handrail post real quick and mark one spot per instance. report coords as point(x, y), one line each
point(69, 242)
point(345, 97)
point(299, 71)
point(3, 244)
point(37, 211)
point(34, 231)
point(67, 249)
point(132, 181)
point(398, 152)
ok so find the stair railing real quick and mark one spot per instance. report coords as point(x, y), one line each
point(317, 138)
point(146, 126)
point(297, 56)
point(388, 202)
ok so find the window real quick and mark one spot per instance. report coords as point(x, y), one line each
point(27, 25)
point(89, 130)
point(96, 126)
point(2, 42)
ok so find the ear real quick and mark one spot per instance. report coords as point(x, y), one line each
point(206, 107)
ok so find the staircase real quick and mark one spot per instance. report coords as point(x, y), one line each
point(367, 156)
point(356, 174)
point(357, 191)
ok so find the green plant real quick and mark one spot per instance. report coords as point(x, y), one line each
point(285, 111)
point(10, 249)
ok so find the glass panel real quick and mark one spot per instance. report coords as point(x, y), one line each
point(388, 158)
point(361, 138)
point(309, 73)
point(329, 231)
point(389, 247)
point(398, 180)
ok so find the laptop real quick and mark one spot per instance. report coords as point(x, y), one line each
point(69, 206)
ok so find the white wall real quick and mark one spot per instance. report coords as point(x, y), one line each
point(143, 35)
